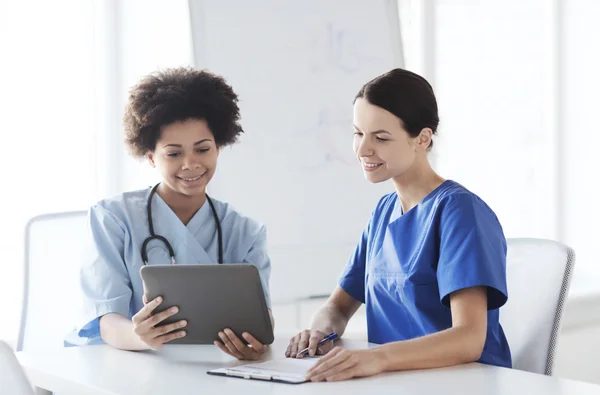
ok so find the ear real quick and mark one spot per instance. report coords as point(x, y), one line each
point(425, 138)
point(150, 157)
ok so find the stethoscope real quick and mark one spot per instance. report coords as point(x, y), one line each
point(154, 236)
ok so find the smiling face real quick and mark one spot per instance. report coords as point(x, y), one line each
point(383, 147)
point(186, 156)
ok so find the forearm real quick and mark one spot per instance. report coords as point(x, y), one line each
point(329, 319)
point(117, 331)
point(450, 347)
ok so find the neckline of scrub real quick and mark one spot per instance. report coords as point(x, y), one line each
point(193, 225)
point(427, 197)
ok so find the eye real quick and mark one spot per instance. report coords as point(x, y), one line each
point(202, 150)
point(358, 133)
point(380, 139)
point(173, 154)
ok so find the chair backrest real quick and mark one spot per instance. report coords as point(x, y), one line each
point(55, 245)
point(12, 378)
point(538, 276)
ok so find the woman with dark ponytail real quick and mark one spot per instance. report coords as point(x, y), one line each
point(430, 265)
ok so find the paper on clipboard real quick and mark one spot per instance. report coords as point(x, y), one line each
point(288, 370)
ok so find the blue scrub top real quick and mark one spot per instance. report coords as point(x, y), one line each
point(110, 279)
point(406, 266)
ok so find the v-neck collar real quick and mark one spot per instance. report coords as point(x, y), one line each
point(182, 237)
point(203, 214)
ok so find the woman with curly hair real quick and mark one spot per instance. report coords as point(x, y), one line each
point(178, 120)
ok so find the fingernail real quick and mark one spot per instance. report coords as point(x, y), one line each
point(245, 335)
point(174, 310)
point(158, 300)
point(311, 353)
point(183, 323)
point(182, 334)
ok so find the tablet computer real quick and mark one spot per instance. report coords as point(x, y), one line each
point(211, 298)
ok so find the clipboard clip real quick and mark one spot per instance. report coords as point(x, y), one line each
point(248, 375)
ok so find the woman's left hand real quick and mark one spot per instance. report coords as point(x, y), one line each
point(232, 345)
point(340, 364)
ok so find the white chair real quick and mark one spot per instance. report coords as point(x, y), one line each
point(12, 378)
point(55, 245)
point(538, 276)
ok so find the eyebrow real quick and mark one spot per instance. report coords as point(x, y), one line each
point(380, 131)
point(179, 145)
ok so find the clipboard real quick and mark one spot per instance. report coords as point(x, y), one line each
point(285, 370)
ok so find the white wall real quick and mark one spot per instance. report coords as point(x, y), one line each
point(494, 81)
point(581, 135)
point(517, 85)
point(47, 162)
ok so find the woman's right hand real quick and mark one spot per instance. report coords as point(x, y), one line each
point(145, 325)
point(308, 338)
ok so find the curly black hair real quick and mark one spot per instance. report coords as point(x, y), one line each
point(179, 94)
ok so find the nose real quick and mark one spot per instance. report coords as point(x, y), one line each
point(364, 148)
point(190, 163)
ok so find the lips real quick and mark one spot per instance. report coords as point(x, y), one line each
point(367, 166)
point(190, 178)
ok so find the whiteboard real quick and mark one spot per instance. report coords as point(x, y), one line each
point(296, 67)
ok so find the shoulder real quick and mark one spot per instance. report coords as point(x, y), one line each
point(242, 234)
point(455, 196)
point(455, 202)
point(121, 207)
point(233, 221)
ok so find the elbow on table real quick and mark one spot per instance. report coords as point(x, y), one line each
point(474, 344)
point(473, 354)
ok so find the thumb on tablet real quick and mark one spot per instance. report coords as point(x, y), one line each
point(258, 346)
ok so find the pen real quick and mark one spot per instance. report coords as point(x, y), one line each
point(331, 336)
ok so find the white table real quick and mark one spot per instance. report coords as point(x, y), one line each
point(101, 370)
